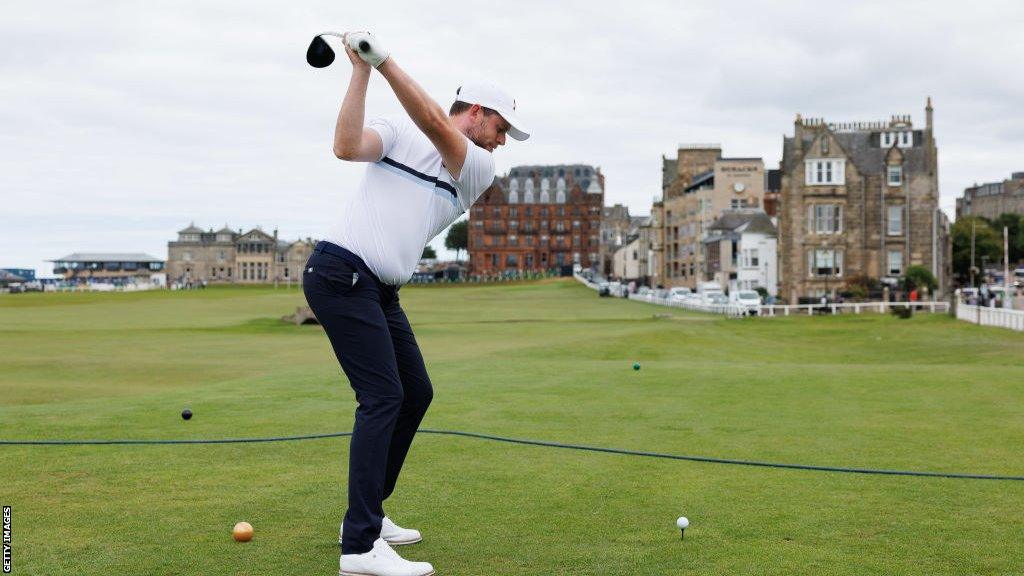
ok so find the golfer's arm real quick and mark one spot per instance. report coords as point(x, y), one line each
point(352, 141)
point(428, 116)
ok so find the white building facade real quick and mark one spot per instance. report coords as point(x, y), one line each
point(741, 251)
point(757, 265)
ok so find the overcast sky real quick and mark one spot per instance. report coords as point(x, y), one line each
point(122, 122)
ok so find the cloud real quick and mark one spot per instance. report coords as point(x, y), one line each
point(124, 121)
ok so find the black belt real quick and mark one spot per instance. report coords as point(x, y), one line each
point(331, 249)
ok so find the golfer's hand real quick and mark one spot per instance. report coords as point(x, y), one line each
point(357, 62)
point(368, 47)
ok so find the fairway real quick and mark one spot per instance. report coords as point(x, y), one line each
point(545, 361)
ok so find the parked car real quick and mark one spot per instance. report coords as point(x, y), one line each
point(679, 293)
point(603, 289)
point(643, 291)
point(748, 300)
point(714, 299)
point(617, 289)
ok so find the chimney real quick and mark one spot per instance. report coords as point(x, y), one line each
point(798, 134)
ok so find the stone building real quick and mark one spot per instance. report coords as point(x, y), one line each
point(697, 189)
point(772, 189)
point(615, 226)
point(229, 256)
point(629, 258)
point(651, 239)
point(993, 199)
point(859, 200)
point(626, 261)
point(538, 218)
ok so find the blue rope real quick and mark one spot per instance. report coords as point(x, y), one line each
point(619, 451)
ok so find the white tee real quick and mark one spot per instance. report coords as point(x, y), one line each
point(406, 198)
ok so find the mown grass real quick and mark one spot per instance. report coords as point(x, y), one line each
point(547, 361)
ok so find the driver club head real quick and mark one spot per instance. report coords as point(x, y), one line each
point(319, 54)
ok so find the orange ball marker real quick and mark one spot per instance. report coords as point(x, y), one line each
point(242, 532)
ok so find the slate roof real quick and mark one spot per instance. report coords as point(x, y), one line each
point(617, 212)
point(107, 257)
point(738, 221)
point(862, 149)
point(702, 179)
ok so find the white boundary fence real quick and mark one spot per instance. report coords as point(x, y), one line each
point(1001, 317)
point(851, 308)
point(730, 310)
point(832, 308)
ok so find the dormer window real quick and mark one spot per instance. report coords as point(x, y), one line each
point(902, 139)
point(825, 171)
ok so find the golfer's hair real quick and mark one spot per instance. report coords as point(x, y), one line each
point(460, 107)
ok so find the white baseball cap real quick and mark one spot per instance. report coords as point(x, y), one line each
point(490, 96)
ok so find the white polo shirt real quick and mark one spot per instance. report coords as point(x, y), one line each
point(407, 198)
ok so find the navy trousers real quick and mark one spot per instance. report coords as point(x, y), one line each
point(376, 348)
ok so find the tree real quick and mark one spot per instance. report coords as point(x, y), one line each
point(1013, 223)
point(458, 237)
point(918, 276)
point(429, 253)
point(986, 243)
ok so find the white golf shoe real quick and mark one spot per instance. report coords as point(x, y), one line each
point(381, 561)
point(392, 533)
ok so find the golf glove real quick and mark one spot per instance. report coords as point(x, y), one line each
point(368, 47)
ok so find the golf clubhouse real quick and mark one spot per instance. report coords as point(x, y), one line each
point(113, 268)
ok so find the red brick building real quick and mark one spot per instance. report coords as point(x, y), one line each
point(538, 218)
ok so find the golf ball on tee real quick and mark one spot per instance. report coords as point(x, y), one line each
point(682, 523)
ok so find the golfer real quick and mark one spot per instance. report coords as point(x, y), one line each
point(422, 173)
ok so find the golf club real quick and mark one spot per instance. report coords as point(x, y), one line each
point(321, 55)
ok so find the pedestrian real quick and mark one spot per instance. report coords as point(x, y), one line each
point(423, 172)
